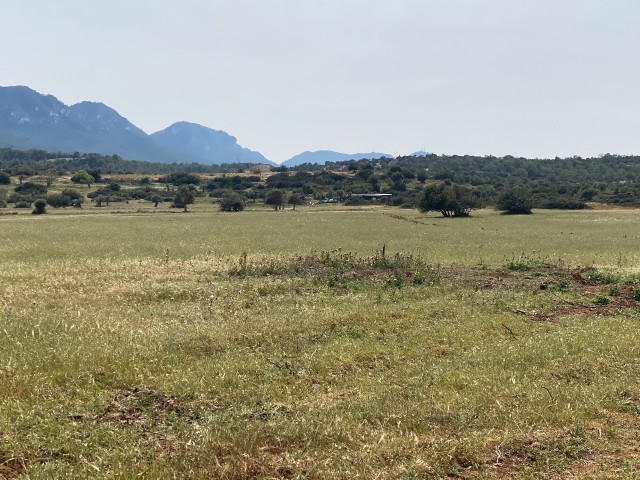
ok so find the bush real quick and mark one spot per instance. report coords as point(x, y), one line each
point(57, 200)
point(178, 179)
point(452, 201)
point(601, 299)
point(183, 198)
point(72, 194)
point(23, 204)
point(40, 207)
point(563, 204)
point(30, 188)
point(515, 202)
point(83, 177)
point(232, 203)
point(5, 179)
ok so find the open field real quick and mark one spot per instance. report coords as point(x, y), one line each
point(146, 343)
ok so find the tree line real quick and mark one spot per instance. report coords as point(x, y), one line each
point(514, 184)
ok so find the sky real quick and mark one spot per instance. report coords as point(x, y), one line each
point(535, 78)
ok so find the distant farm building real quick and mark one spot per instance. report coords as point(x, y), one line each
point(372, 196)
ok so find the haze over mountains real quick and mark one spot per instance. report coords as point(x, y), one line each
point(29, 119)
point(323, 156)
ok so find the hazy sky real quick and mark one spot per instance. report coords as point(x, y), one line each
point(525, 77)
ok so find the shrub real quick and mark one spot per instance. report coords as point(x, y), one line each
point(515, 202)
point(72, 194)
point(601, 276)
point(232, 203)
point(40, 207)
point(23, 204)
point(524, 263)
point(30, 188)
point(564, 204)
point(5, 179)
point(57, 200)
point(178, 179)
point(183, 197)
point(452, 201)
point(83, 177)
point(601, 299)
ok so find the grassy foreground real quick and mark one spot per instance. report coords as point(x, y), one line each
point(209, 345)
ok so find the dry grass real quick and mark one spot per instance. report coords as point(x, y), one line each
point(120, 361)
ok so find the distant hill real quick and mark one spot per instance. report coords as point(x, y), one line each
point(323, 156)
point(29, 119)
point(205, 145)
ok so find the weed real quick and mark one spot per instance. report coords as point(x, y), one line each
point(562, 286)
point(525, 263)
point(601, 276)
point(601, 299)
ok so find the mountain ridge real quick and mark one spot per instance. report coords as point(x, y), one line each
point(29, 119)
point(323, 156)
point(205, 145)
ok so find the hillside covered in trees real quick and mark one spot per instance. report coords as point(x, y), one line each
point(564, 183)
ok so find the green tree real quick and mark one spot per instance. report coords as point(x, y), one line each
point(101, 198)
point(83, 177)
point(184, 197)
point(5, 179)
point(452, 201)
point(57, 200)
point(275, 198)
point(515, 201)
point(295, 199)
point(40, 207)
point(155, 199)
point(51, 177)
point(232, 203)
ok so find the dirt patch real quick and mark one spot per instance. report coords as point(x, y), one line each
point(140, 405)
point(411, 220)
point(12, 467)
point(595, 298)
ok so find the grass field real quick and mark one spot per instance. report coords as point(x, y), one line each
point(146, 343)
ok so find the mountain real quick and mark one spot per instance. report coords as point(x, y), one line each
point(205, 145)
point(323, 156)
point(29, 119)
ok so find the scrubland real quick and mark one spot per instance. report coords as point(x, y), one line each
point(324, 343)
